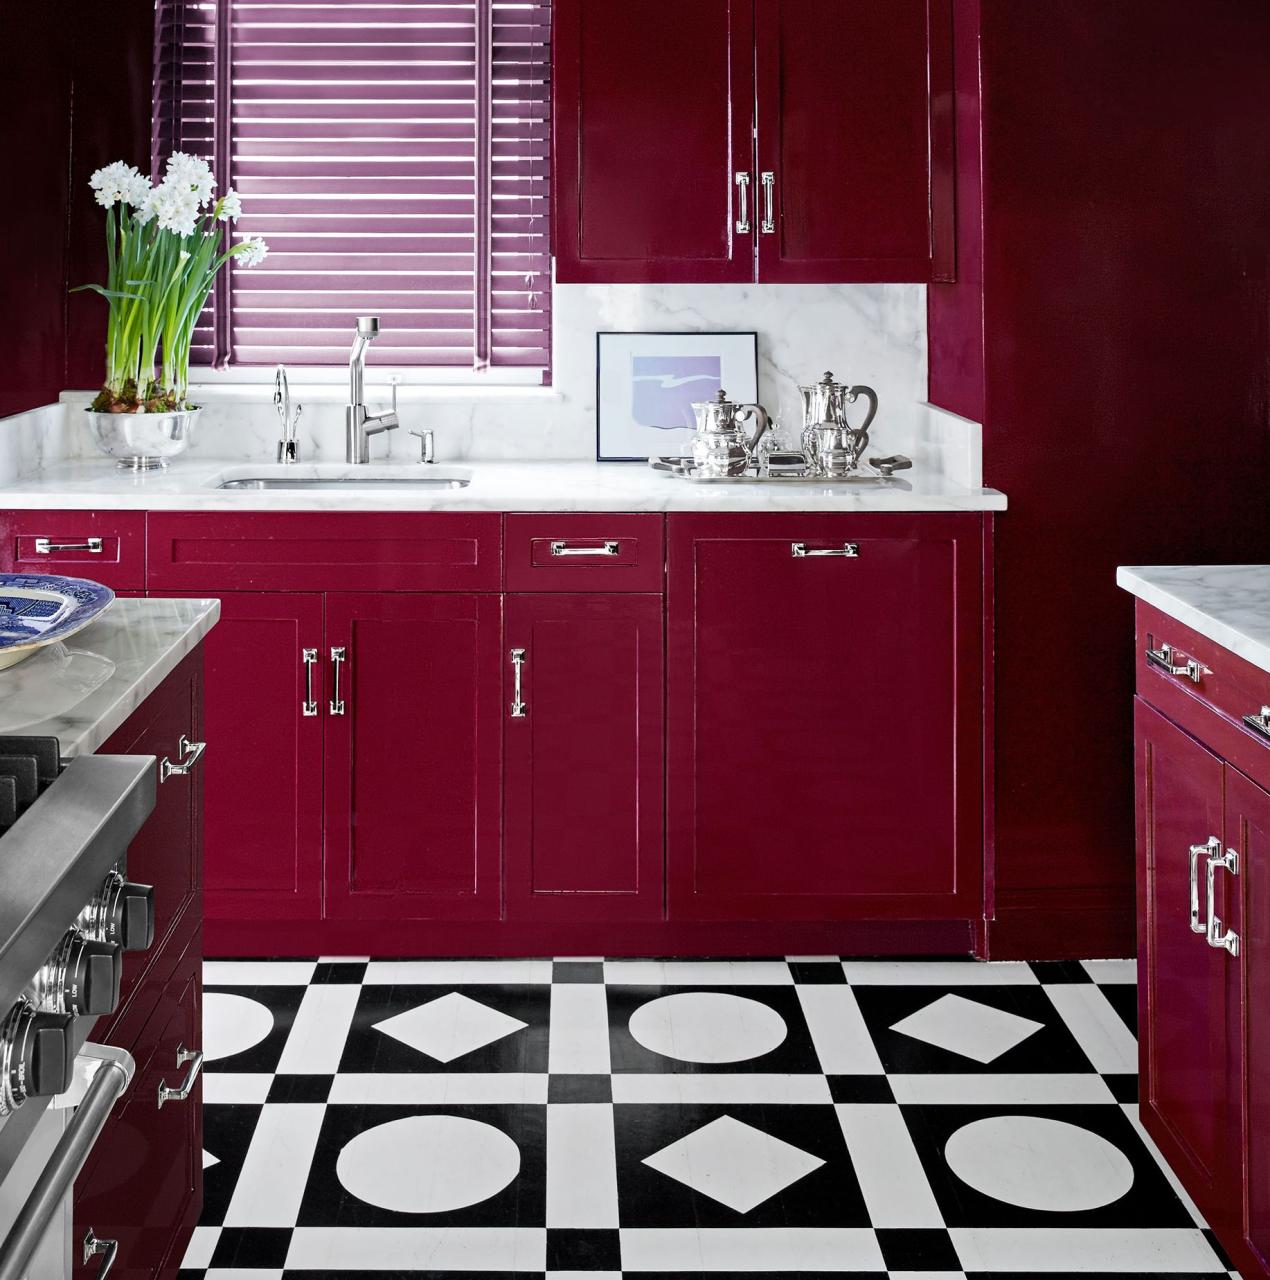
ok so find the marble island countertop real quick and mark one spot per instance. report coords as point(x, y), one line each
point(190, 484)
point(81, 691)
point(1227, 603)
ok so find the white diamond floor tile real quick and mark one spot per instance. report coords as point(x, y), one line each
point(449, 1027)
point(966, 1027)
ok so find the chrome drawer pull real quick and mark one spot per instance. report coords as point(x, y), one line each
point(1210, 846)
point(190, 754)
point(519, 708)
point(768, 225)
point(743, 198)
point(1164, 658)
point(339, 656)
point(183, 1055)
point(1218, 935)
point(309, 706)
point(1260, 722)
point(610, 548)
point(45, 547)
point(109, 1250)
point(801, 551)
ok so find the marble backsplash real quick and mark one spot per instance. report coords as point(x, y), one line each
point(875, 334)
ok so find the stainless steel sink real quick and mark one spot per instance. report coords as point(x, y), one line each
point(342, 479)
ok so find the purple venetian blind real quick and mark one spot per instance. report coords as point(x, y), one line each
point(396, 158)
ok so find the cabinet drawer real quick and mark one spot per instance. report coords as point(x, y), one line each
point(330, 551)
point(1210, 704)
point(585, 553)
point(106, 546)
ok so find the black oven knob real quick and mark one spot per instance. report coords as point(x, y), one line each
point(90, 985)
point(37, 1055)
point(122, 912)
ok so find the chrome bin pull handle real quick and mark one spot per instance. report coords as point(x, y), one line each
point(46, 547)
point(610, 548)
point(182, 1091)
point(1210, 846)
point(801, 551)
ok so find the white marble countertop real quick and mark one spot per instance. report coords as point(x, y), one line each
point(496, 486)
point(1227, 603)
point(81, 691)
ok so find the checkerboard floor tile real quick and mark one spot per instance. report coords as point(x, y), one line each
point(667, 1120)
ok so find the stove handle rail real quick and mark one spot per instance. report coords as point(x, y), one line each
point(113, 1075)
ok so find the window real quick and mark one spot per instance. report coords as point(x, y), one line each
point(394, 155)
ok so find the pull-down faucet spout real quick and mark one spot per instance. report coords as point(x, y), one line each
point(359, 424)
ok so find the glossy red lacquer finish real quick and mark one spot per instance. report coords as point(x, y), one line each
point(652, 117)
point(1125, 239)
point(637, 561)
point(328, 551)
point(582, 809)
point(824, 724)
point(413, 765)
point(1187, 998)
point(120, 563)
point(854, 120)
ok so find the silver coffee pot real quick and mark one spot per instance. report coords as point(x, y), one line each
point(832, 445)
point(721, 446)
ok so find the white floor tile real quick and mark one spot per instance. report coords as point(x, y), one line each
point(450, 1027)
point(343, 959)
point(739, 1087)
point(1064, 1250)
point(747, 1249)
point(1111, 971)
point(423, 1249)
point(838, 1030)
point(454, 973)
point(886, 1162)
point(315, 1043)
point(250, 1087)
point(708, 1026)
point(1098, 1028)
point(243, 1273)
point(1005, 1090)
point(437, 1088)
point(579, 1043)
point(938, 973)
point(232, 1023)
point(198, 1253)
point(581, 1165)
point(977, 1031)
point(257, 973)
point(697, 973)
point(273, 1177)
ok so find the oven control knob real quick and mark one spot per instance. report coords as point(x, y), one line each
point(37, 1055)
point(90, 986)
point(122, 912)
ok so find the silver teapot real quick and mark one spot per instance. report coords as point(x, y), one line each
point(721, 446)
point(832, 445)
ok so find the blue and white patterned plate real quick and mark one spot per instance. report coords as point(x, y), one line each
point(39, 608)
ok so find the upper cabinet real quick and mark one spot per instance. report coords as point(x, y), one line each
point(782, 141)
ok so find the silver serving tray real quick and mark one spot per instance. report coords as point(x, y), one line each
point(686, 469)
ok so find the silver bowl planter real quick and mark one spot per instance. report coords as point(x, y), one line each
point(143, 441)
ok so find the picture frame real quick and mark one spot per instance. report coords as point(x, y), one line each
point(647, 381)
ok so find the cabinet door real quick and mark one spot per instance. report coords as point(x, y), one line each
point(653, 119)
point(264, 759)
point(1185, 994)
point(855, 131)
point(413, 757)
point(583, 748)
point(824, 717)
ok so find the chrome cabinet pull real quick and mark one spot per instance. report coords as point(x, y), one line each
point(1165, 658)
point(45, 547)
point(519, 709)
point(183, 1055)
point(743, 226)
point(768, 226)
point(309, 706)
point(1259, 722)
point(1218, 935)
point(339, 656)
point(108, 1249)
point(801, 551)
point(189, 755)
point(1210, 846)
point(564, 549)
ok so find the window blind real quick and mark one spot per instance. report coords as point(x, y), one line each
point(394, 155)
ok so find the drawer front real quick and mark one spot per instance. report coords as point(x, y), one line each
point(331, 551)
point(106, 546)
point(585, 553)
point(1209, 693)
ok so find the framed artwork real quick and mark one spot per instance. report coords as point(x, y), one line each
point(647, 383)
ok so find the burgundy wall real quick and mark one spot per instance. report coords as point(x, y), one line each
point(1124, 393)
point(75, 95)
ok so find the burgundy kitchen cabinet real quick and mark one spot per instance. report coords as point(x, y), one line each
point(583, 757)
point(824, 694)
point(740, 140)
point(106, 546)
point(413, 756)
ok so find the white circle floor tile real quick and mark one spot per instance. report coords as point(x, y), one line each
point(232, 1024)
point(428, 1164)
point(1037, 1163)
point(707, 1026)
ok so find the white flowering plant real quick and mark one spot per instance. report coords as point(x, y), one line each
point(164, 250)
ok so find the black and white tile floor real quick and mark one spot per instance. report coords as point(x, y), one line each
point(594, 1120)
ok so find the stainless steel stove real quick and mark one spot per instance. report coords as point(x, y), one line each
point(67, 914)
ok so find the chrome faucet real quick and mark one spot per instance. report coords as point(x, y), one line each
point(359, 424)
point(289, 444)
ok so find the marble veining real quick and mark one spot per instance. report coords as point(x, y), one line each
point(1227, 603)
point(142, 640)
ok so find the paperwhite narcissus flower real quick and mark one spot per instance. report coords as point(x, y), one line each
point(175, 207)
point(190, 173)
point(252, 251)
point(137, 190)
point(115, 182)
point(230, 207)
